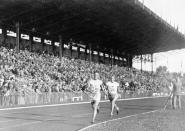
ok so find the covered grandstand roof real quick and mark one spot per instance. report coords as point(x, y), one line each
point(125, 25)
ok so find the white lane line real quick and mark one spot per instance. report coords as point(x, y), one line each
point(23, 124)
point(7, 121)
point(104, 122)
point(66, 104)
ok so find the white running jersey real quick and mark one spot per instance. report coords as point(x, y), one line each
point(95, 86)
point(112, 87)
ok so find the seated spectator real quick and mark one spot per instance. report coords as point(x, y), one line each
point(47, 73)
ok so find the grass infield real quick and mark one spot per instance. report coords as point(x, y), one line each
point(162, 120)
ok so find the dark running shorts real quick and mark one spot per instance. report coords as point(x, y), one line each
point(111, 96)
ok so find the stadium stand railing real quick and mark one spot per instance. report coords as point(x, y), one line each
point(57, 98)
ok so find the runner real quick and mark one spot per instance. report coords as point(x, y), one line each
point(95, 87)
point(113, 94)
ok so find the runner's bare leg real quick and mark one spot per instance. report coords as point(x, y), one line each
point(94, 107)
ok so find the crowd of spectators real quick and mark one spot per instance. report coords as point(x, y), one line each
point(31, 72)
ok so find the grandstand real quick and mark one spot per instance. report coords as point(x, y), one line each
point(109, 32)
point(49, 49)
point(54, 46)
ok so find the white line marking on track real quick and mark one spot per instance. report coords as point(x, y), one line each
point(23, 124)
point(66, 104)
point(7, 121)
point(104, 122)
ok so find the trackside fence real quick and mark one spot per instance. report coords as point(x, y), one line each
point(60, 97)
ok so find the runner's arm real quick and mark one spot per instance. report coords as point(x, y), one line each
point(119, 89)
point(104, 88)
point(88, 89)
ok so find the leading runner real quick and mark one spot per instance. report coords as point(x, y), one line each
point(112, 87)
point(95, 86)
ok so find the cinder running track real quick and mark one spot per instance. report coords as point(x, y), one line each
point(70, 117)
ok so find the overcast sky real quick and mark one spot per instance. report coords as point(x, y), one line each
point(173, 11)
point(170, 10)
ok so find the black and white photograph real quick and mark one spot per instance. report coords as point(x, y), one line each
point(92, 65)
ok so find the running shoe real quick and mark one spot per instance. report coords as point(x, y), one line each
point(117, 111)
point(98, 110)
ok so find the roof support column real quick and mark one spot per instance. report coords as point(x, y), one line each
point(152, 63)
point(70, 49)
point(127, 58)
point(90, 53)
point(78, 52)
point(130, 57)
point(98, 55)
point(43, 44)
point(118, 60)
point(4, 35)
point(18, 37)
point(53, 46)
point(141, 63)
point(110, 61)
point(85, 52)
point(31, 42)
point(61, 47)
point(123, 63)
point(104, 57)
point(112, 57)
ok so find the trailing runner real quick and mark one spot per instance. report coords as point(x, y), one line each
point(112, 87)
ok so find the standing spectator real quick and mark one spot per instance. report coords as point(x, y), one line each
point(177, 85)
